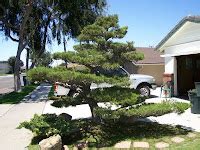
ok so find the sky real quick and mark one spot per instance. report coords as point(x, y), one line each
point(148, 22)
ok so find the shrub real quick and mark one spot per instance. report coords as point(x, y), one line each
point(142, 111)
point(117, 95)
point(49, 124)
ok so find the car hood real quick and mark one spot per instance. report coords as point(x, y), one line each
point(140, 76)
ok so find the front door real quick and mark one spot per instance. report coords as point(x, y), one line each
point(188, 72)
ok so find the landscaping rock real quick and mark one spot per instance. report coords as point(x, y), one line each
point(162, 146)
point(141, 145)
point(191, 135)
point(123, 144)
point(65, 116)
point(177, 139)
point(51, 143)
point(65, 147)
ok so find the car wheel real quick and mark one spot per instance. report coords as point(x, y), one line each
point(144, 90)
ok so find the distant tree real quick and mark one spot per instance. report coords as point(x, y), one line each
point(11, 62)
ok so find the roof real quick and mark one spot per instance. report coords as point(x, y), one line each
point(195, 19)
point(150, 56)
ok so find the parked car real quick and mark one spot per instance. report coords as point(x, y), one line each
point(143, 83)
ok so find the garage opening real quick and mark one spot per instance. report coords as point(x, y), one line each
point(188, 72)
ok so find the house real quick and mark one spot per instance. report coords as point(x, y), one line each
point(4, 67)
point(152, 64)
point(181, 48)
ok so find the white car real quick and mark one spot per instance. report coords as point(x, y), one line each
point(143, 83)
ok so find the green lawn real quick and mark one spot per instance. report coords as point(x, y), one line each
point(151, 133)
point(3, 74)
point(33, 147)
point(16, 97)
point(193, 144)
point(189, 144)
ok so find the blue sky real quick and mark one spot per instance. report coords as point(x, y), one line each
point(148, 21)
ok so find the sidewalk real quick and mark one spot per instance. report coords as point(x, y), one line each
point(17, 139)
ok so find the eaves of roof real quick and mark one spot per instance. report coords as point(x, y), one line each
point(195, 19)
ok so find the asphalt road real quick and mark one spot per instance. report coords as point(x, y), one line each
point(6, 84)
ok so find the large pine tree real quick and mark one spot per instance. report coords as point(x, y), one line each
point(100, 47)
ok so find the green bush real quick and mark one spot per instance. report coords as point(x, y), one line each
point(49, 124)
point(117, 95)
point(142, 111)
point(66, 101)
point(60, 74)
point(97, 134)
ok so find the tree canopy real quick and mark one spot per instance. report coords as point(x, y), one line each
point(97, 48)
point(33, 24)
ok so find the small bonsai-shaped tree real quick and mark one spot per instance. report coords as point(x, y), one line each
point(99, 47)
point(96, 49)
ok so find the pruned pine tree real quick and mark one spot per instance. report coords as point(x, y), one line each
point(97, 48)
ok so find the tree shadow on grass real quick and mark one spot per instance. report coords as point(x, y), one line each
point(108, 134)
point(137, 131)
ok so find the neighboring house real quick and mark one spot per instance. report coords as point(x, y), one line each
point(4, 67)
point(181, 49)
point(152, 64)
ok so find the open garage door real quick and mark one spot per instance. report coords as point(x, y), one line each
point(188, 72)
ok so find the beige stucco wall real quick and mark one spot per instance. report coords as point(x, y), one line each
point(156, 70)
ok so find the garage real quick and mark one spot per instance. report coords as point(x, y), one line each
point(188, 72)
point(181, 51)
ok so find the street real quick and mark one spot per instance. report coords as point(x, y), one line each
point(6, 84)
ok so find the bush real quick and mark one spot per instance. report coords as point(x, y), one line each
point(142, 111)
point(97, 134)
point(117, 95)
point(49, 124)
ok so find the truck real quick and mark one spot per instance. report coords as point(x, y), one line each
point(140, 82)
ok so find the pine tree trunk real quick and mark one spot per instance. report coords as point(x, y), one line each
point(92, 106)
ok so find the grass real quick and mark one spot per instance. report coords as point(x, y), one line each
point(33, 147)
point(16, 97)
point(152, 133)
point(51, 93)
point(188, 144)
point(5, 74)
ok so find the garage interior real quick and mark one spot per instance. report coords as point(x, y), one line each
point(188, 72)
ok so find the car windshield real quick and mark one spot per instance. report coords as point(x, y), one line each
point(119, 72)
point(111, 72)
